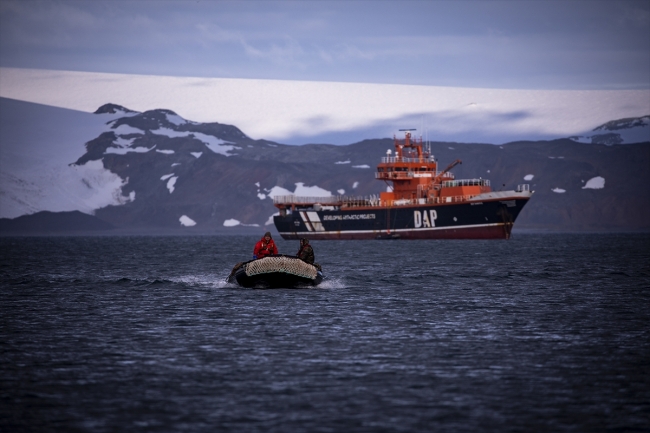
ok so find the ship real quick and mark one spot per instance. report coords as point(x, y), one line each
point(421, 202)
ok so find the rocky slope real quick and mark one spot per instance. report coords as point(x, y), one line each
point(211, 177)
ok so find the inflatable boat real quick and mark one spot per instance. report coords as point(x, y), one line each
point(276, 272)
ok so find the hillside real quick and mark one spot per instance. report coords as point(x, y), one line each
point(156, 170)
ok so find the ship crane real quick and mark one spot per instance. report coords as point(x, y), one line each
point(442, 173)
point(436, 182)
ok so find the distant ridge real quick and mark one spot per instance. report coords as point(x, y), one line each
point(620, 131)
point(47, 222)
point(628, 122)
point(112, 109)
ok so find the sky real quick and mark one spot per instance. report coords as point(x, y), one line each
point(561, 45)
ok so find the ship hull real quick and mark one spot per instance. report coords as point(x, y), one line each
point(490, 219)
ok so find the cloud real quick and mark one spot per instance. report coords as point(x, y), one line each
point(498, 44)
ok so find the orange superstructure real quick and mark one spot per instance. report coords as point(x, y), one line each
point(414, 174)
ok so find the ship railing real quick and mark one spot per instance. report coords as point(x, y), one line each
point(424, 201)
point(523, 187)
point(389, 175)
point(407, 202)
point(295, 199)
point(338, 200)
point(466, 182)
point(368, 201)
point(394, 159)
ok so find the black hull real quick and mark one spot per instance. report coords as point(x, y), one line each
point(272, 280)
point(276, 280)
point(489, 219)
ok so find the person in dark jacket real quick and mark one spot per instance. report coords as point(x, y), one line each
point(265, 247)
point(306, 252)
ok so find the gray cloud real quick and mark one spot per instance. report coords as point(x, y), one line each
point(505, 44)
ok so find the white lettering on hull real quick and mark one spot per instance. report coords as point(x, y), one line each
point(369, 216)
point(424, 218)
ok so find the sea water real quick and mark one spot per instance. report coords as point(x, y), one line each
point(537, 333)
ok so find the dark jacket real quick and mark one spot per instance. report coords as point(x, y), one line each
point(306, 253)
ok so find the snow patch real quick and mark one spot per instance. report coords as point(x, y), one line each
point(342, 162)
point(261, 196)
point(127, 130)
point(527, 177)
point(187, 221)
point(175, 119)
point(196, 155)
point(171, 133)
point(278, 191)
point(167, 176)
point(340, 191)
point(170, 184)
point(213, 143)
point(310, 191)
point(270, 220)
point(559, 190)
point(597, 182)
point(125, 150)
point(175, 164)
point(355, 184)
point(233, 223)
point(123, 142)
point(165, 151)
point(301, 190)
point(361, 166)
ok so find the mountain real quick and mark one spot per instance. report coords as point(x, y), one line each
point(37, 145)
point(621, 131)
point(46, 222)
point(156, 170)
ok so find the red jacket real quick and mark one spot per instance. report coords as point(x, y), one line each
point(263, 249)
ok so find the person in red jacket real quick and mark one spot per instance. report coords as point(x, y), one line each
point(265, 247)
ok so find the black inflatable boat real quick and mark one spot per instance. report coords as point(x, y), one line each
point(276, 272)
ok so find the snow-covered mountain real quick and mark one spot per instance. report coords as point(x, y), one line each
point(53, 159)
point(621, 131)
point(37, 146)
point(155, 169)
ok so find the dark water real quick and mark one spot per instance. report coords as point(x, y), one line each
point(539, 333)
